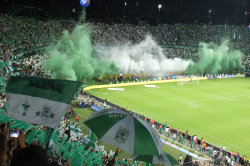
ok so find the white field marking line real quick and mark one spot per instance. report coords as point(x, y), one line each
point(194, 89)
point(182, 125)
point(99, 92)
point(240, 84)
point(147, 88)
point(230, 98)
point(190, 102)
point(221, 98)
point(165, 97)
point(83, 116)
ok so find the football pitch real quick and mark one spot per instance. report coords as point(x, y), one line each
point(217, 110)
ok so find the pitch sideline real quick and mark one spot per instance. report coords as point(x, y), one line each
point(183, 125)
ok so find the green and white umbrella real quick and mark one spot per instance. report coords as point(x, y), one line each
point(121, 129)
point(90, 143)
point(164, 158)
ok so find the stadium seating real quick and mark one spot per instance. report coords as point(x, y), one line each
point(21, 35)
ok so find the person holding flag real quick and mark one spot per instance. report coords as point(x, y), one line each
point(39, 101)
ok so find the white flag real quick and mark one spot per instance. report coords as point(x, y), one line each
point(39, 101)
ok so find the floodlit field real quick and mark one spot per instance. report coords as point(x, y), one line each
point(218, 110)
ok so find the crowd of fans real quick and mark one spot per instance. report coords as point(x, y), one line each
point(65, 147)
point(20, 34)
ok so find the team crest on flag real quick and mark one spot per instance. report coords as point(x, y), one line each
point(25, 107)
point(39, 101)
point(46, 113)
point(122, 135)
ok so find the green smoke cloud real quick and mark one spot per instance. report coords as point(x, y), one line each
point(71, 57)
point(216, 59)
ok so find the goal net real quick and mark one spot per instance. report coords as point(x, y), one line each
point(183, 81)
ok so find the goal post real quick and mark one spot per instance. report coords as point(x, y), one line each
point(180, 83)
point(194, 80)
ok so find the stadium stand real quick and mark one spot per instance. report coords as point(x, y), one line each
point(22, 39)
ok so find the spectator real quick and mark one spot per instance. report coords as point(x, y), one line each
point(238, 158)
point(202, 140)
point(30, 156)
point(152, 122)
point(232, 153)
point(186, 133)
point(3, 149)
point(180, 158)
point(204, 145)
point(226, 158)
point(232, 161)
point(165, 126)
point(228, 161)
point(170, 129)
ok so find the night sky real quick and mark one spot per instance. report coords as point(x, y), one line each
point(172, 11)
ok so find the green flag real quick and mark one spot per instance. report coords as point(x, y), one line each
point(40, 101)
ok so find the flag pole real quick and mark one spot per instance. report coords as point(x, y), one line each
point(49, 137)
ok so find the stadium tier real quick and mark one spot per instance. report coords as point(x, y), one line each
point(205, 103)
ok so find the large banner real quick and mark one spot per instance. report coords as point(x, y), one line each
point(182, 150)
point(209, 77)
point(238, 75)
point(95, 108)
point(230, 76)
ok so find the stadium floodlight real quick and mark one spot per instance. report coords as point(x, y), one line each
point(160, 6)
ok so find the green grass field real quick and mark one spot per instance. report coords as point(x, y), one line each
point(83, 113)
point(218, 110)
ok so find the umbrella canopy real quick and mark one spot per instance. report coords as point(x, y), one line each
point(90, 143)
point(121, 129)
point(164, 158)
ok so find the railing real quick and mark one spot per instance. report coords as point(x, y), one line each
point(200, 163)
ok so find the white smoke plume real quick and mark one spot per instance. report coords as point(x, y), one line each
point(145, 57)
